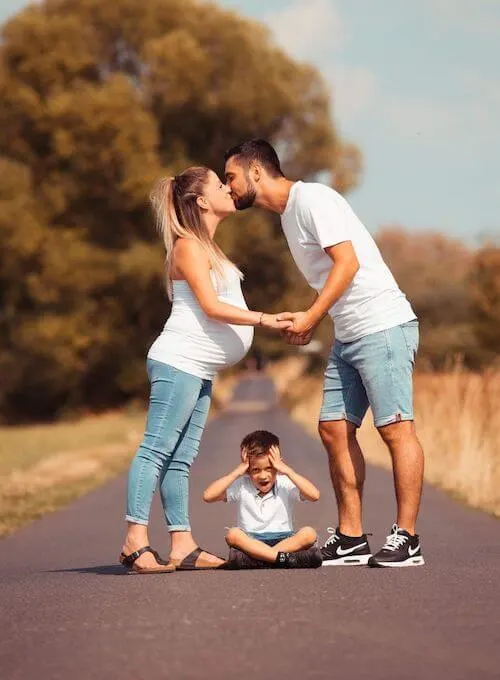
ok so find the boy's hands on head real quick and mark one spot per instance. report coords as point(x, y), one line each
point(243, 466)
point(276, 460)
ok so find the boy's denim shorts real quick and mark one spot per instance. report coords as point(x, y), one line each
point(375, 371)
point(270, 538)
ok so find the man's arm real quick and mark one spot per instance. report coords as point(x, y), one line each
point(344, 267)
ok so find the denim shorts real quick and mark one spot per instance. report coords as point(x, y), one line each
point(271, 538)
point(375, 371)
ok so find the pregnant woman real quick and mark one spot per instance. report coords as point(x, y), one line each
point(209, 328)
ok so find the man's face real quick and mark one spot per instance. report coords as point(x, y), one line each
point(243, 191)
point(262, 473)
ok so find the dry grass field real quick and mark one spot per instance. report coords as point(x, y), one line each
point(458, 422)
point(44, 466)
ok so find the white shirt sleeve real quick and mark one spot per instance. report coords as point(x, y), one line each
point(233, 492)
point(287, 487)
point(326, 215)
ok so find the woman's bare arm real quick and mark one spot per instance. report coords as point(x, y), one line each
point(192, 263)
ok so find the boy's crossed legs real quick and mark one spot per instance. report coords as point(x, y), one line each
point(301, 540)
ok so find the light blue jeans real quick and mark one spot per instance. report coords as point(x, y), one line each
point(178, 410)
point(375, 371)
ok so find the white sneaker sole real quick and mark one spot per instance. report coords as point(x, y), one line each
point(410, 562)
point(348, 561)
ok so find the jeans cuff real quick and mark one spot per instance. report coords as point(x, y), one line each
point(394, 418)
point(135, 520)
point(179, 527)
point(323, 417)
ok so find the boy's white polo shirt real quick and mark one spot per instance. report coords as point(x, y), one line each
point(271, 513)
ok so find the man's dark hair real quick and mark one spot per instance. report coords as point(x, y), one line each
point(259, 442)
point(257, 150)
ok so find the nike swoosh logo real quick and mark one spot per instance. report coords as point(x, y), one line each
point(413, 551)
point(348, 551)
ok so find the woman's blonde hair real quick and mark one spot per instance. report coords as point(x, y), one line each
point(178, 215)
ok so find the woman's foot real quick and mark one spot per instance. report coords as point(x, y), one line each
point(183, 545)
point(135, 561)
point(137, 538)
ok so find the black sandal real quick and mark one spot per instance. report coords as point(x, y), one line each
point(189, 562)
point(128, 561)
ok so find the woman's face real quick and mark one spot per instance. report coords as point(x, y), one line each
point(218, 196)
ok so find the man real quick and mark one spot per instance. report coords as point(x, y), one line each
point(371, 361)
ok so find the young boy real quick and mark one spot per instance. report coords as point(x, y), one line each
point(265, 487)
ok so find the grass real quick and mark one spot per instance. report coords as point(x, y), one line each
point(42, 467)
point(457, 415)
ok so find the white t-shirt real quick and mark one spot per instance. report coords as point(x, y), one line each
point(261, 514)
point(195, 344)
point(316, 217)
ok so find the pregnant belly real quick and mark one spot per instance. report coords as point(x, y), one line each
point(227, 344)
point(213, 347)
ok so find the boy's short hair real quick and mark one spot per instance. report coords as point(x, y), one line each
point(259, 442)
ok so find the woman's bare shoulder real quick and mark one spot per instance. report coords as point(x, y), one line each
point(188, 247)
point(188, 253)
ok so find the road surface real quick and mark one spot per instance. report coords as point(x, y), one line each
point(69, 612)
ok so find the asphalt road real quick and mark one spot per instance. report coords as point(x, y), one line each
point(68, 611)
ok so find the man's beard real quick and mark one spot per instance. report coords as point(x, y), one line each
point(248, 199)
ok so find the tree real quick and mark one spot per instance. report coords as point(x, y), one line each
point(433, 271)
point(99, 99)
point(485, 282)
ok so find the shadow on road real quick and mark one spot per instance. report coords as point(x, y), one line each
point(103, 570)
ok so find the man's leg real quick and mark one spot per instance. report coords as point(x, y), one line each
point(408, 468)
point(385, 362)
point(347, 472)
point(344, 405)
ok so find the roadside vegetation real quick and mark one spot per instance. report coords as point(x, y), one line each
point(457, 414)
point(43, 467)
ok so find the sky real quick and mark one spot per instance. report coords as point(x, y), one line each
point(416, 86)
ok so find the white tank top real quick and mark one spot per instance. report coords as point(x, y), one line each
point(196, 344)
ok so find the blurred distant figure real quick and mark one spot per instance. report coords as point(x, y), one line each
point(372, 360)
point(209, 328)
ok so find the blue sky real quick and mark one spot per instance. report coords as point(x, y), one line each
point(416, 86)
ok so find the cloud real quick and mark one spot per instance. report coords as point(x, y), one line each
point(305, 29)
point(354, 89)
point(316, 31)
point(470, 123)
point(482, 16)
point(413, 116)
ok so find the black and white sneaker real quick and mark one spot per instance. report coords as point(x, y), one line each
point(401, 549)
point(240, 560)
point(302, 559)
point(348, 551)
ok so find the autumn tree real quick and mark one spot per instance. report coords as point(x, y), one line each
point(485, 284)
point(99, 99)
point(433, 271)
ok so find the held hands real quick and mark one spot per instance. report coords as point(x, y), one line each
point(276, 461)
point(275, 323)
point(301, 321)
point(302, 329)
point(297, 338)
